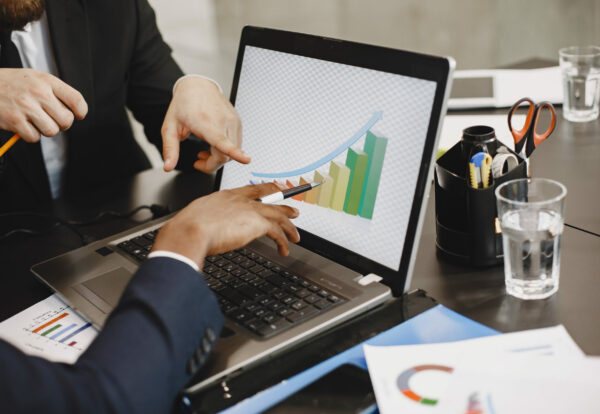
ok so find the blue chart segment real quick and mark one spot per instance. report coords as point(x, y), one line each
point(327, 158)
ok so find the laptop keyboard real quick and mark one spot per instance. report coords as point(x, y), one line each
point(254, 292)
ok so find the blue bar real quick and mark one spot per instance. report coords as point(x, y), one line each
point(62, 331)
point(84, 327)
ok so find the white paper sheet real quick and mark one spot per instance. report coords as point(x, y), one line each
point(49, 329)
point(415, 378)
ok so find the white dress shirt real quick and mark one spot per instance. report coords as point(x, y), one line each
point(33, 43)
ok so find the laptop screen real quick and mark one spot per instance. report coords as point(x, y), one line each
point(360, 131)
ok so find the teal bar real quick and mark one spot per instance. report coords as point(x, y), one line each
point(375, 146)
point(357, 161)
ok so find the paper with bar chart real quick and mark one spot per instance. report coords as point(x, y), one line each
point(360, 131)
point(49, 329)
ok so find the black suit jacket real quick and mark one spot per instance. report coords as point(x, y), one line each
point(112, 52)
point(154, 341)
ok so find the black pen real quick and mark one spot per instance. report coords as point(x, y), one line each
point(290, 192)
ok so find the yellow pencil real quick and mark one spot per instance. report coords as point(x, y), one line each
point(9, 144)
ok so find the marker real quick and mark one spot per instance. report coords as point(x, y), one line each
point(290, 192)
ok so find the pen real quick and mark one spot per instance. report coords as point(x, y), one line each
point(290, 192)
point(9, 144)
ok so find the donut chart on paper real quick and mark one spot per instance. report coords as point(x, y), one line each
point(404, 379)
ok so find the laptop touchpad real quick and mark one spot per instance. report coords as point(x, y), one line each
point(104, 291)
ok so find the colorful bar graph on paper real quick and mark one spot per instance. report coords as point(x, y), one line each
point(54, 328)
point(39, 328)
point(340, 174)
point(62, 331)
point(325, 189)
point(72, 334)
point(375, 146)
point(357, 161)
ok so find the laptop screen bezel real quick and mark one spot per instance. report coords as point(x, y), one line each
point(384, 59)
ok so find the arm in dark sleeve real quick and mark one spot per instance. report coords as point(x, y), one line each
point(153, 73)
point(140, 360)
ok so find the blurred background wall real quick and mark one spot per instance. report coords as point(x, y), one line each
point(204, 34)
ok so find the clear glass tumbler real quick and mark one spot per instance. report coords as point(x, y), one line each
point(581, 82)
point(531, 212)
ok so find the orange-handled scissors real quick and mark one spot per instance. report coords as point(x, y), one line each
point(12, 141)
point(527, 138)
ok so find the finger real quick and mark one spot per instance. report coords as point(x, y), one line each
point(70, 97)
point(60, 113)
point(281, 215)
point(222, 143)
point(254, 192)
point(170, 137)
point(278, 236)
point(27, 131)
point(212, 162)
point(43, 123)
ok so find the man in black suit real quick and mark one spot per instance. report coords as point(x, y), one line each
point(109, 56)
point(165, 324)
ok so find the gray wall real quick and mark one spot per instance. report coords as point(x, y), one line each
point(204, 34)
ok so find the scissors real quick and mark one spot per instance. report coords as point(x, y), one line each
point(527, 139)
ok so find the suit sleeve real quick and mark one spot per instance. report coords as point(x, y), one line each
point(152, 75)
point(154, 341)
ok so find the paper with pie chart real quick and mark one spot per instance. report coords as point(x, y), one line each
point(431, 378)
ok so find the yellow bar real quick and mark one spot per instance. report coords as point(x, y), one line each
point(312, 195)
point(341, 175)
point(325, 189)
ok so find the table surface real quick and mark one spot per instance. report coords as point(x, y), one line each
point(571, 156)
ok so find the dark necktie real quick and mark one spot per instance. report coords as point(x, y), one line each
point(9, 54)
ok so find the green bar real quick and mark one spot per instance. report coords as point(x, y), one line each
point(357, 161)
point(54, 328)
point(375, 148)
point(340, 174)
point(325, 189)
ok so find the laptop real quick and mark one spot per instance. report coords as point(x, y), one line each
point(364, 120)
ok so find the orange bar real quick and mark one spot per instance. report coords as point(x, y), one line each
point(292, 185)
point(39, 328)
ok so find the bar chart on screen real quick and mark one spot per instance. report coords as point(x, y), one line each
point(350, 173)
point(49, 329)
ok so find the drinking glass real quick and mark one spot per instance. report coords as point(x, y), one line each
point(581, 82)
point(531, 212)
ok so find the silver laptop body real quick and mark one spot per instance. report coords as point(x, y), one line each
point(93, 277)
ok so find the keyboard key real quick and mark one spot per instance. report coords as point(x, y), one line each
point(277, 280)
point(128, 246)
point(254, 325)
point(260, 260)
point(240, 315)
point(150, 235)
point(302, 293)
point(292, 288)
point(269, 264)
point(221, 262)
point(209, 269)
point(265, 273)
point(141, 241)
point(243, 251)
point(314, 288)
point(268, 288)
point(312, 299)
point(305, 284)
point(228, 279)
point(275, 306)
point(231, 255)
point(212, 259)
point(251, 292)
point(303, 314)
point(323, 293)
point(272, 328)
point(259, 313)
point(323, 304)
point(239, 259)
point(278, 294)
point(298, 305)
point(256, 269)
point(333, 299)
point(287, 300)
point(252, 256)
point(239, 272)
point(230, 267)
point(233, 296)
point(270, 318)
point(253, 307)
point(247, 264)
point(265, 301)
point(285, 312)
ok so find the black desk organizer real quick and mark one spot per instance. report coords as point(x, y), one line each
point(465, 216)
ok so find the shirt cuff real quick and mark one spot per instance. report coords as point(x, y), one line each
point(197, 76)
point(176, 256)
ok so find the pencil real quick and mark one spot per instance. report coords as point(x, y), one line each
point(9, 144)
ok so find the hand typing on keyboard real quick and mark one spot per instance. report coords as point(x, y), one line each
point(228, 220)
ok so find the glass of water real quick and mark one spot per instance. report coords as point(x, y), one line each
point(531, 212)
point(581, 82)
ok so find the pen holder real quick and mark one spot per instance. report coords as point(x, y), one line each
point(467, 227)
